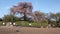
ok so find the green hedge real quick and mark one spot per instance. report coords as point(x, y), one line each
point(1, 24)
point(26, 24)
point(19, 23)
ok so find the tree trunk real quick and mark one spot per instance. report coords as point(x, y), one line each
point(25, 18)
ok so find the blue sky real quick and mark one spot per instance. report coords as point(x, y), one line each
point(45, 6)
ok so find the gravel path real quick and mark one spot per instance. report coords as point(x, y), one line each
point(28, 30)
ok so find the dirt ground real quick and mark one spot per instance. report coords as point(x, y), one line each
point(28, 30)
